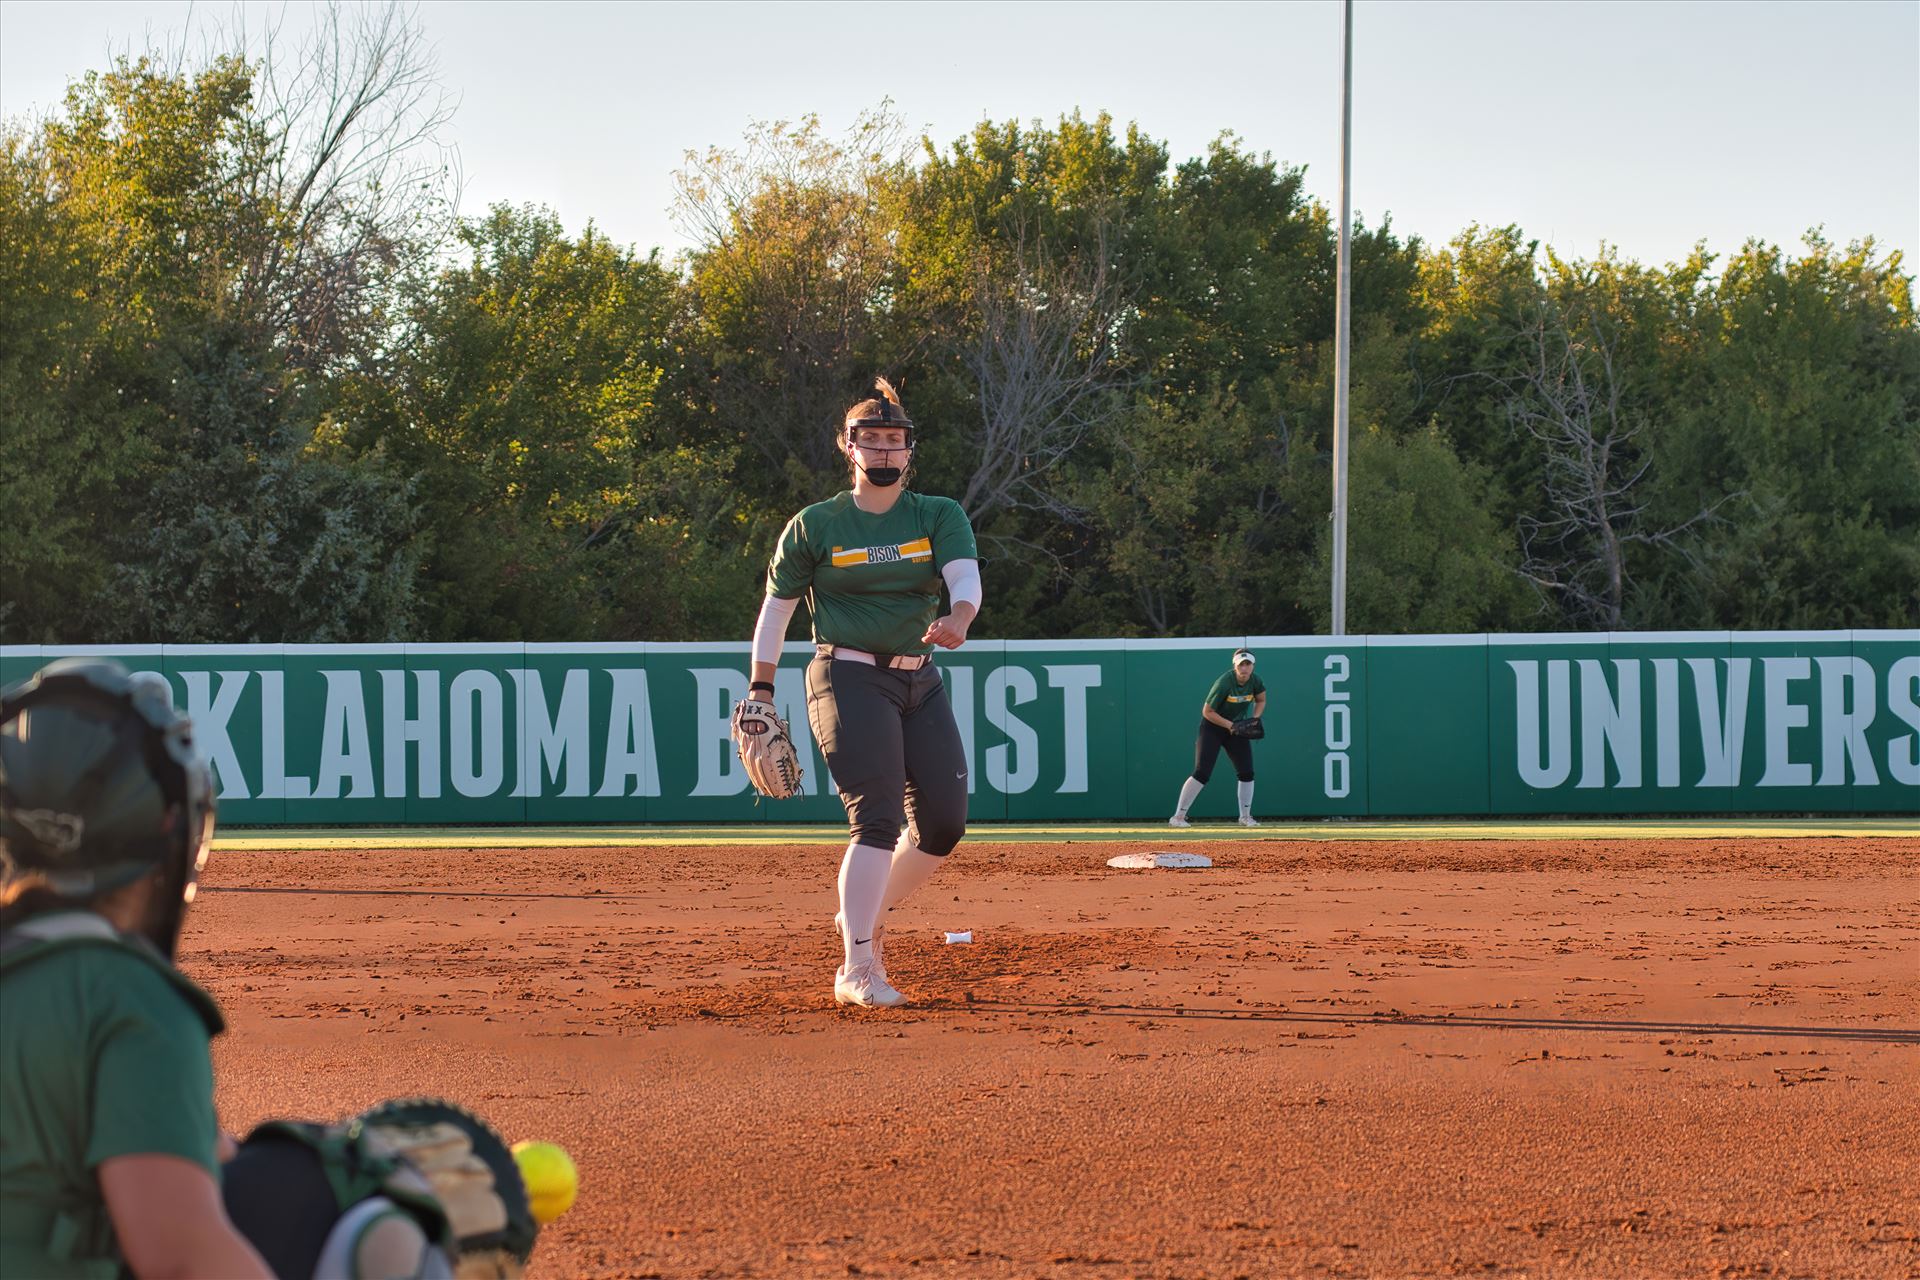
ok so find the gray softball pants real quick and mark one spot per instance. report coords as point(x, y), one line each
point(893, 749)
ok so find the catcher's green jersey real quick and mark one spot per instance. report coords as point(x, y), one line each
point(103, 1053)
point(872, 581)
point(1234, 700)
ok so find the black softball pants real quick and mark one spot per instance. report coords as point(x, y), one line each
point(893, 749)
point(1206, 749)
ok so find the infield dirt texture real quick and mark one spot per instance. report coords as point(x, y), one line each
point(1603, 1057)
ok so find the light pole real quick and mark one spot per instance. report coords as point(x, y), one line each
point(1342, 336)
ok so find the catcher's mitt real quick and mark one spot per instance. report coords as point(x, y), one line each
point(1249, 728)
point(766, 749)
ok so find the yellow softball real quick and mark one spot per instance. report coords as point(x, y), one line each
point(552, 1181)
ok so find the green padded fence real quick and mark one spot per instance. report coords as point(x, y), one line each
point(1591, 724)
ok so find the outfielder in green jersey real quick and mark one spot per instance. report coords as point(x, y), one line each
point(871, 563)
point(108, 1143)
point(1229, 718)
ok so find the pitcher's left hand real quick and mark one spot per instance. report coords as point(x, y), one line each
point(948, 632)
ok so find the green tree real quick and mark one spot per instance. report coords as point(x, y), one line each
point(1201, 518)
point(1800, 417)
point(69, 449)
point(556, 502)
point(189, 512)
point(1479, 295)
point(1187, 319)
point(788, 288)
point(247, 395)
point(1588, 393)
point(264, 529)
point(1022, 248)
point(1425, 553)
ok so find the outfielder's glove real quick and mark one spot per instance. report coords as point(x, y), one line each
point(1249, 728)
point(766, 749)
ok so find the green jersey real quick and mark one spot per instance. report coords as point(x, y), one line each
point(103, 1053)
point(872, 581)
point(1233, 700)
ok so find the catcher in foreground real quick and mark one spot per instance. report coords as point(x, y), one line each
point(111, 1160)
point(871, 562)
point(1225, 722)
point(109, 1149)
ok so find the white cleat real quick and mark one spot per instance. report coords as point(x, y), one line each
point(1177, 821)
point(1248, 820)
point(879, 943)
point(865, 986)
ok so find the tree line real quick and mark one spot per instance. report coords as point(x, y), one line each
point(260, 382)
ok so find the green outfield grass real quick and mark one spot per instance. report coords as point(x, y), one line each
point(1708, 828)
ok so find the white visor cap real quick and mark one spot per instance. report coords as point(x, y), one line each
point(1242, 655)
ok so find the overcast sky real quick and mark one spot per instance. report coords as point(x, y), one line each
point(1647, 125)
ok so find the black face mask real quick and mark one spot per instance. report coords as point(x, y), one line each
point(883, 477)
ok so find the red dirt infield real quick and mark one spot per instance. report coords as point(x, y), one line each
point(1639, 1058)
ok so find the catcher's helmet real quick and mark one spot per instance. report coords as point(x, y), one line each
point(100, 784)
point(474, 1233)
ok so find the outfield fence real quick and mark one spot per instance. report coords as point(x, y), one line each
point(1581, 724)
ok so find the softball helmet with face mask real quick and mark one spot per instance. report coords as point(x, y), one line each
point(100, 784)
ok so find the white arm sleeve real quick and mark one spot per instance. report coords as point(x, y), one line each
point(963, 581)
point(770, 629)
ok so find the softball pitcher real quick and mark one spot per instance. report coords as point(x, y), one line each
point(108, 1143)
point(870, 562)
point(1225, 722)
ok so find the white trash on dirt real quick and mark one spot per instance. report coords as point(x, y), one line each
point(960, 937)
